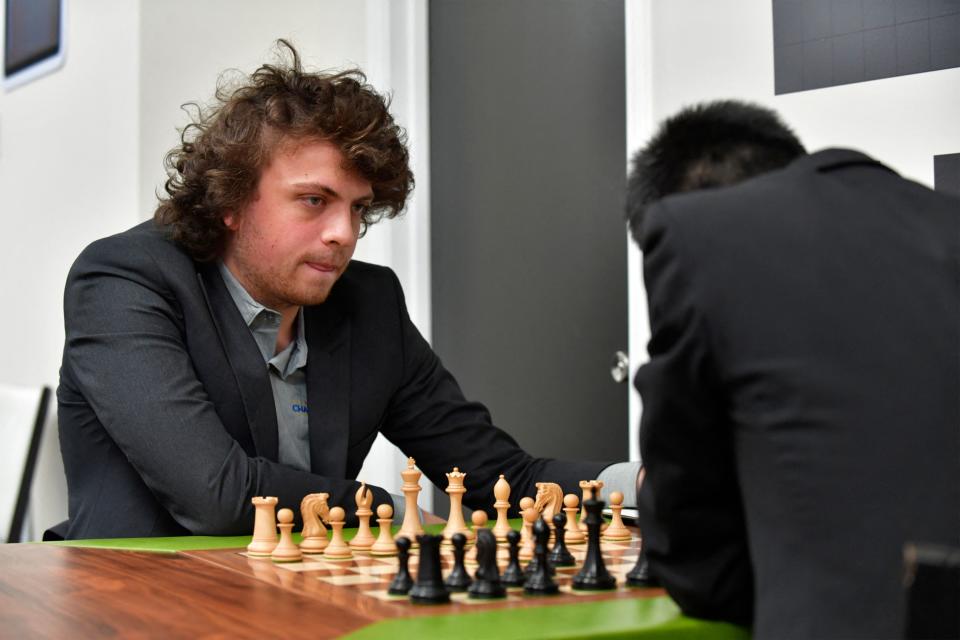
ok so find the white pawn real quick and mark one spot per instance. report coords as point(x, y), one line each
point(286, 550)
point(363, 539)
point(617, 530)
point(385, 544)
point(338, 549)
point(570, 507)
point(479, 520)
point(528, 544)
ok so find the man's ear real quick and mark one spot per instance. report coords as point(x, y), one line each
point(231, 220)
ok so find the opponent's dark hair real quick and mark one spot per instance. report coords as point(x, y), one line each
point(217, 166)
point(712, 144)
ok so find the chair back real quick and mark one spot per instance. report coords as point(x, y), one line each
point(23, 412)
point(932, 580)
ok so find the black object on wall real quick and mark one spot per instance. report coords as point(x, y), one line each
point(824, 43)
point(33, 33)
point(946, 173)
point(528, 248)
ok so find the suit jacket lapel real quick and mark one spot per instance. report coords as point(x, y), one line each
point(328, 387)
point(245, 360)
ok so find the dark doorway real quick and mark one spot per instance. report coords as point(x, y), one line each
point(528, 161)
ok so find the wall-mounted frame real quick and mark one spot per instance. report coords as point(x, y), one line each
point(34, 40)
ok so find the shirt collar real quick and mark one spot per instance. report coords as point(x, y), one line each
point(288, 360)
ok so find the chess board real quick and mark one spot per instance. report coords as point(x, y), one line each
point(361, 583)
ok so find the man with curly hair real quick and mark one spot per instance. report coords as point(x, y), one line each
point(230, 348)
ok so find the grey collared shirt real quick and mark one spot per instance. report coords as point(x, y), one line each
point(286, 370)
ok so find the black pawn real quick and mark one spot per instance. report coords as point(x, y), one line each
point(640, 575)
point(534, 564)
point(539, 582)
point(560, 556)
point(487, 584)
point(401, 583)
point(513, 574)
point(429, 588)
point(593, 575)
point(458, 579)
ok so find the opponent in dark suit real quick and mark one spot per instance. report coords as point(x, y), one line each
point(168, 423)
point(801, 407)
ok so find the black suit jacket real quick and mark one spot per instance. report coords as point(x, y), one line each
point(802, 402)
point(167, 420)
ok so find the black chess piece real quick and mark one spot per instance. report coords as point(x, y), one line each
point(429, 588)
point(458, 579)
point(487, 579)
point(640, 575)
point(539, 581)
point(560, 556)
point(534, 564)
point(513, 574)
point(594, 575)
point(401, 583)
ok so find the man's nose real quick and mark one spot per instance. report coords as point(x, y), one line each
point(339, 227)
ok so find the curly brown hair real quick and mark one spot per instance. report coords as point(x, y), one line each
point(216, 167)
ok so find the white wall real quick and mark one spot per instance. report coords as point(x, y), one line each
point(687, 51)
point(68, 175)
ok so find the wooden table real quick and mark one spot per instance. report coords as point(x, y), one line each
point(119, 589)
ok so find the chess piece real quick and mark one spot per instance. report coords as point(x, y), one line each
point(363, 539)
point(487, 584)
point(598, 496)
point(501, 491)
point(587, 487)
point(616, 531)
point(527, 543)
point(513, 574)
point(385, 544)
point(593, 575)
point(401, 583)
point(456, 523)
point(534, 565)
point(313, 511)
point(429, 587)
point(549, 500)
point(479, 519)
point(411, 526)
point(574, 536)
point(338, 549)
point(286, 550)
point(640, 575)
point(560, 556)
point(458, 579)
point(264, 527)
point(539, 582)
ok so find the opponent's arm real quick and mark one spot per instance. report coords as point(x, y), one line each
point(429, 419)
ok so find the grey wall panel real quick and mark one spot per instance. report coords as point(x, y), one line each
point(528, 250)
point(824, 43)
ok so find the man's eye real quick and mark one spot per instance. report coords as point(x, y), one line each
point(313, 201)
point(361, 209)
